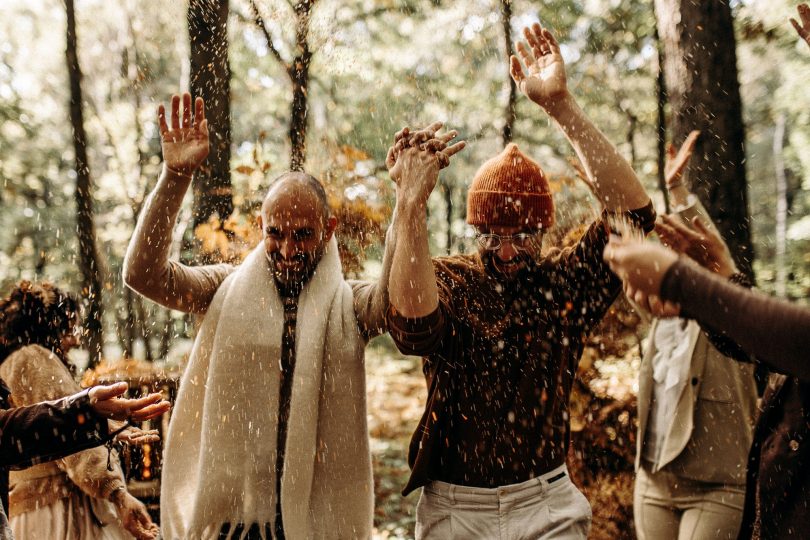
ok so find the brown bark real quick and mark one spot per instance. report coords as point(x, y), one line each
point(298, 72)
point(89, 261)
point(211, 80)
point(700, 64)
point(507, 132)
point(661, 122)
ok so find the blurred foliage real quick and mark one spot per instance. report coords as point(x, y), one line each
point(378, 65)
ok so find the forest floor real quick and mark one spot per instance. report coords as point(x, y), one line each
point(603, 423)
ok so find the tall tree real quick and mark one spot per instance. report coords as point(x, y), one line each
point(89, 261)
point(211, 80)
point(298, 72)
point(700, 65)
point(509, 113)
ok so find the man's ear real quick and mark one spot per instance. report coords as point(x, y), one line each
point(329, 230)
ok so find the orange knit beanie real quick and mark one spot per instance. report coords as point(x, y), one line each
point(510, 190)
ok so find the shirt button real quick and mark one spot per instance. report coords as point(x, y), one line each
point(794, 445)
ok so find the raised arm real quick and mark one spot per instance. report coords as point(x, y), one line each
point(147, 268)
point(544, 82)
point(415, 161)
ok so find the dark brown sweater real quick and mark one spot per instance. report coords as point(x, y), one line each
point(499, 360)
point(778, 333)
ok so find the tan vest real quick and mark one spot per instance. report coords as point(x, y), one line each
point(712, 429)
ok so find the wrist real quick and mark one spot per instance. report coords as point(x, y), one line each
point(117, 496)
point(177, 172)
point(560, 107)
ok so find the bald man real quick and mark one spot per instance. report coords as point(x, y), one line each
point(269, 435)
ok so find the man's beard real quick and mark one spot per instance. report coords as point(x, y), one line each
point(292, 280)
point(497, 267)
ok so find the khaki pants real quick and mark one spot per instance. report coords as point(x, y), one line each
point(666, 506)
point(547, 507)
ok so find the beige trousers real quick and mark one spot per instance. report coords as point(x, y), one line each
point(546, 507)
point(668, 507)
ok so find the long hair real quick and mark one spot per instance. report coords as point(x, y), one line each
point(36, 314)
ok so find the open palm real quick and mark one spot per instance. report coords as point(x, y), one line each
point(543, 80)
point(185, 144)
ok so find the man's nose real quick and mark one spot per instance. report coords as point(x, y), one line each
point(287, 248)
point(507, 251)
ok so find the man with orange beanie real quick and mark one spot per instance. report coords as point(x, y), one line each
point(501, 331)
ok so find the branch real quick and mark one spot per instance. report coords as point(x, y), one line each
point(257, 18)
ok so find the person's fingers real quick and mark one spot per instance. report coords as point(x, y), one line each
point(516, 70)
point(449, 136)
point(681, 228)
point(524, 53)
point(435, 145)
point(534, 37)
point(444, 161)
point(552, 41)
point(402, 133)
point(150, 411)
point(804, 13)
point(175, 112)
point(671, 152)
point(199, 111)
point(186, 110)
point(162, 126)
point(204, 127)
point(455, 148)
point(104, 393)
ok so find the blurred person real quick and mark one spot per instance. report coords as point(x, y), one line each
point(79, 496)
point(44, 431)
point(501, 331)
point(269, 436)
point(696, 409)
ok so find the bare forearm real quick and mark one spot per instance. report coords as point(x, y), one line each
point(147, 261)
point(413, 289)
point(614, 180)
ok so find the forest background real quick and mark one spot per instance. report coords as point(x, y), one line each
point(323, 85)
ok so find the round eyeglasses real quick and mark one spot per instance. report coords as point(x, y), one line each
point(521, 240)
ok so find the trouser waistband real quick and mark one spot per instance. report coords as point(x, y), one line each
point(510, 492)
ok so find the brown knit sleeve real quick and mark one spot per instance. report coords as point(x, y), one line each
point(774, 331)
point(591, 285)
point(34, 374)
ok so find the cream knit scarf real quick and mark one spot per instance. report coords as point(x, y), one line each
point(219, 462)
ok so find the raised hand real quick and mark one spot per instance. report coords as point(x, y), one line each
point(642, 266)
point(543, 80)
point(703, 244)
point(676, 162)
point(185, 144)
point(424, 139)
point(106, 401)
point(802, 28)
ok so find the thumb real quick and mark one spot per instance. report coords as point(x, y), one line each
point(103, 393)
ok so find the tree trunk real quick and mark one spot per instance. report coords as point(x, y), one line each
point(781, 205)
point(299, 76)
point(661, 122)
point(700, 64)
point(509, 114)
point(211, 80)
point(89, 262)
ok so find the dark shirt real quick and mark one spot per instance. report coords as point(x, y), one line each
point(499, 360)
point(777, 333)
point(285, 397)
point(42, 432)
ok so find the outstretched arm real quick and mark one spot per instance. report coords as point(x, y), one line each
point(416, 160)
point(147, 268)
point(544, 82)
